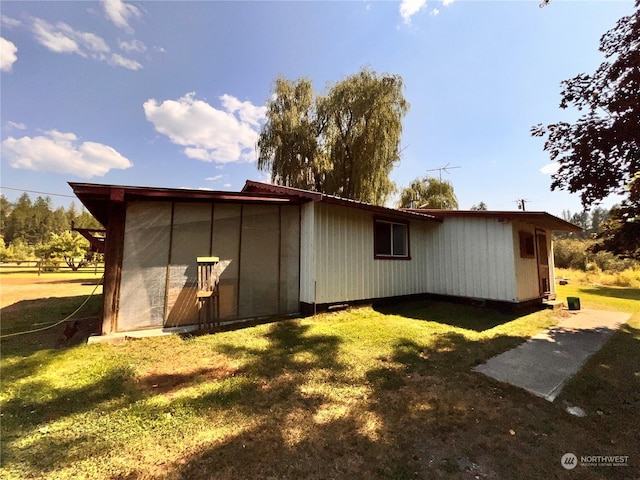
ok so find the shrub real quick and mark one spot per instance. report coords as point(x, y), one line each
point(571, 253)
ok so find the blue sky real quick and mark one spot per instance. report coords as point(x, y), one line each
point(172, 93)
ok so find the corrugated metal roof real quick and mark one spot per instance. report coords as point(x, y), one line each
point(253, 186)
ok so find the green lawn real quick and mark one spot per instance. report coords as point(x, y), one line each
point(366, 393)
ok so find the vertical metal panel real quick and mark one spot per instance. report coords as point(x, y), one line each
point(346, 269)
point(191, 233)
point(225, 241)
point(308, 233)
point(474, 259)
point(462, 257)
point(144, 264)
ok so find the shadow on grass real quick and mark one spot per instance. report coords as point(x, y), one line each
point(469, 317)
point(38, 404)
point(295, 410)
point(275, 373)
point(30, 315)
point(379, 435)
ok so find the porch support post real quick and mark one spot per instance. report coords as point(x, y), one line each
point(114, 247)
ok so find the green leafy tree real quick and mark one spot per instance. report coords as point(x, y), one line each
point(599, 154)
point(429, 192)
point(5, 212)
point(288, 145)
point(67, 246)
point(345, 143)
point(19, 251)
point(4, 252)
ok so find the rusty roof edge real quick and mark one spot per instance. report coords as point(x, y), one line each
point(158, 192)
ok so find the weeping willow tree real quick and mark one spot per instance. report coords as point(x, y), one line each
point(429, 192)
point(288, 145)
point(345, 143)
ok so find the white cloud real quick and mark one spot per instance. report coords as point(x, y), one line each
point(120, 61)
point(207, 133)
point(446, 3)
point(434, 12)
point(62, 38)
point(9, 22)
point(54, 39)
point(61, 152)
point(215, 179)
point(132, 46)
point(119, 13)
point(15, 126)
point(550, 168)
point(8, 55)
point(247, 111)
point(409, 8)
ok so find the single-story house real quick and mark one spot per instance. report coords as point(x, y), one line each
point(283, 250)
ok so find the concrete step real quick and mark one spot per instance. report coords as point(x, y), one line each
point(553, 304)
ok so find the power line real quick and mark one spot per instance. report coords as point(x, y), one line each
point(35, 191)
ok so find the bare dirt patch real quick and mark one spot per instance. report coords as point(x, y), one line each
point(17, 288)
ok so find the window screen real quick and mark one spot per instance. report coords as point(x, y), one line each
point(391, 239)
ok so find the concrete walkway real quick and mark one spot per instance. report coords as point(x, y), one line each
point(544, 363)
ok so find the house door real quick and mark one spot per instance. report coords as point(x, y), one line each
point(543, 263)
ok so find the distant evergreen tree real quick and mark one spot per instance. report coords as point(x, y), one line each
point(26, 224)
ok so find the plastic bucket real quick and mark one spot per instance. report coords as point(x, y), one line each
point(573, 303)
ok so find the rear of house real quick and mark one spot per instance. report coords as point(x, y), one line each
point(284, 250)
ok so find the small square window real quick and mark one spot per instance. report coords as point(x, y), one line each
point(527, 246)
point(391, 239)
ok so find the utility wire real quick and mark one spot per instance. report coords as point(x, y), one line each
point(34, 191)
point(61, 321)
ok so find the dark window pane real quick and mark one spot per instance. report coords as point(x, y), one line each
point(383, 238)
point(399, 239)
point(527, 247)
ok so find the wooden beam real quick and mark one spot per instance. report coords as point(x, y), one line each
point(114, 248)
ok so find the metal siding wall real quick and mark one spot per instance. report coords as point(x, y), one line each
point(144, 265)
point(307, 252)
point(473, 258)
point(346, 268)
